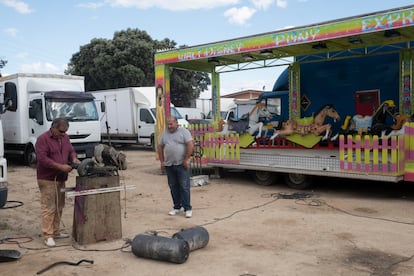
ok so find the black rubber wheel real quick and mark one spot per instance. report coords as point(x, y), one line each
point(153, 147)
point(298, 181)
point(30, 157)
point(85, 166)
point(264, 178)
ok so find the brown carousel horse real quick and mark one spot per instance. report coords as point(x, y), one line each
point(314, 125)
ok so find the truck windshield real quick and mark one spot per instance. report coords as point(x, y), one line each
point(174, 112)
point(72, 111)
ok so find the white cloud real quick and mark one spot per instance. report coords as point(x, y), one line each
point(239, 16)
point(91, 5)
point(281, 3)
point(41, 67)
point(173, 5)
point(20, 7)
point(11, 31)
point(262, 4)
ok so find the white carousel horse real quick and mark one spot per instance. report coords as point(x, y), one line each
point(250, 122)
point(259, 111)
point(314, 125)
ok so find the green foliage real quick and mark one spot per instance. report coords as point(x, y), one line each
point(2, 64)
point(187, 86)
point(128, 60)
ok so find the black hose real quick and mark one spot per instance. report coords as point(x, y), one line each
point(63, 262)
point(16, 204)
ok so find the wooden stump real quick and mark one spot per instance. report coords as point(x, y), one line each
point(97, 217)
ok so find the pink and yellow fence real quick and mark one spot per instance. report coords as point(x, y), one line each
point(386, 156)
point(218, 148)
point(371, 154)
point(409, 152)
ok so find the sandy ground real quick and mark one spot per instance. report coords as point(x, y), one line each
point(339, 228)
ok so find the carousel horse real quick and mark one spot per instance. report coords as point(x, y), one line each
point(398, 126)
point(314, 125)
point(379, 119)
point(250, 122)
point(376, 124)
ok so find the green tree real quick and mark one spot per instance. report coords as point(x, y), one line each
point(2, 64)
point(187, 86)
point(128, 60)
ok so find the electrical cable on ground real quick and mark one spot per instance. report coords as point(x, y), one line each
point(64, 262)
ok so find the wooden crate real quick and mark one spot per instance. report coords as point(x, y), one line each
point(97, 217)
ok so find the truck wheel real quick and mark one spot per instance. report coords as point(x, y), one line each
point(152, 142)
point(298, 181)
point(30, 156)
point(264, 178)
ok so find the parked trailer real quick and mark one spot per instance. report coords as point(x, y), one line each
point(358, 64)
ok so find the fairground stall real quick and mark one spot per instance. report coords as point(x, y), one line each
point(344, 109)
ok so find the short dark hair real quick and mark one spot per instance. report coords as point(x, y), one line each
point(59, 122)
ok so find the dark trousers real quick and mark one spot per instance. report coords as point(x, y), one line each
point(179, 182)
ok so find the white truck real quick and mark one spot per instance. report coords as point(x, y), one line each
point(3, 171)
point(40, 98)
point(129, 116)
point(7, 102)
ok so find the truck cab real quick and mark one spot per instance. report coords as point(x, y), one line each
point(39, 99)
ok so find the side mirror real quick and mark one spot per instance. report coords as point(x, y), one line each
point(103, 107)
point(10, 97)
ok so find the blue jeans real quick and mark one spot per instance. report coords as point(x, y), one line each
point(179, 181)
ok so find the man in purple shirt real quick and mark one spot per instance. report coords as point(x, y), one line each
point(54, 153)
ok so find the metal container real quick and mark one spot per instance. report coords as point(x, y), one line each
point(160, 248)
point(196, 237)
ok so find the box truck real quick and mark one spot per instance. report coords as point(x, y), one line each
point(40, 98)
point(7, 102)
point(129, 116)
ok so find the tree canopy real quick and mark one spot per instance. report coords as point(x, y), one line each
point(128, 60)
point(2, 64)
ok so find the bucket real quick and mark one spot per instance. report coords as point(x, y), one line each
point(160, 248)
point(196, 237)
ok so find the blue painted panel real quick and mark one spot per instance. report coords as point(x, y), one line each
point(337, 81)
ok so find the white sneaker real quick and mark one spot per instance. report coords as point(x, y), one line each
point(61, 235)
point(174, 212)
point(50, 242)
point(188, 213)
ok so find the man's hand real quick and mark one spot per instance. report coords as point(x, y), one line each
point(76, 160)
point(186, 163)
point(65, 168)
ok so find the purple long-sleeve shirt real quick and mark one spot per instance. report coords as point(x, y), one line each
point(51, 150)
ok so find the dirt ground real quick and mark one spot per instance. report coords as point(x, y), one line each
point(336, 228)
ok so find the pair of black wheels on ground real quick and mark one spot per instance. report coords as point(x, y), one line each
point(293, 180)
